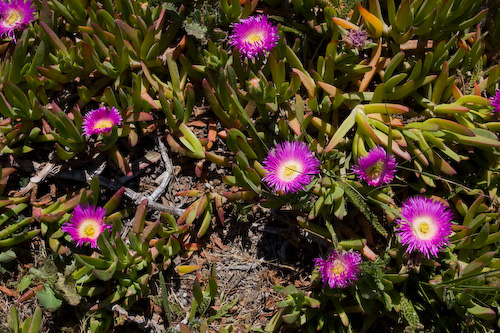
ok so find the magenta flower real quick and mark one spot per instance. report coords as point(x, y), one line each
point(357, 38)
point(254, 36)
point(495, 102)
point(290, 167)
point(100, 121)
point(14, 15)
point(86, 224)
point(340, 269)
point(376, 168)
point(424, 226)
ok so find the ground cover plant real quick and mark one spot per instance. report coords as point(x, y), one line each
point(144, 142)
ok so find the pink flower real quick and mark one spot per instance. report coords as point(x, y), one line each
point(495, 102)
point(340, 269)
point(424, 226)
point(290, 167)
point(100, 121)
point(14, 15)
point(253, 36)
point(376, 168)
point(86, 224)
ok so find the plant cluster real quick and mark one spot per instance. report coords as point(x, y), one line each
point(373, 124)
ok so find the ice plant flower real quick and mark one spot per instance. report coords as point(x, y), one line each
point(357, 38)
point(376, 168)
point(290, 167)
point(495, 102)
point(340, 269)
point(424, 226)
point(86, 224)
point(15, 15)
point(254, 36)
point(100, 121)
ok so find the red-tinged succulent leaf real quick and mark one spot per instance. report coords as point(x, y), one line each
point(342, 131)
point(138, 116)
point(307, 81)
point(473, 99)
point(450, 125)
point(202, 205)
point(53, 73)
point(217, 159)
point(482, 312)
point(212, 134)
point(219, 208)
point(198, 169)
point(133, 138)
point(192, 142)
point(47, 218)
point(372, 20)
point(457, 228)
point(140, 217)
point(356, 244)
point(58, 44)
point(229, 180)
point(368, 253)
point(295, 125)
point(365, 128)
point(329, 89)
point(322, 126)
point(456, 92)
point(131, 32)
point(493, 126)
point(147, 98)
point(71, 203)
point(114, 201)
point(375, 64)
point(57, 247)
point(150, 230)
point(188, 210)
point(396, 149)
point(30, 293)
point(385, 108)
point(442, 165)
point(175, 146)
point(477, 90)
point(240, 195)
point(188, 193)
point(395, 122)
point(476, 141)
point(344, 23)
point(450, 108)
point(205, 224)
point(4, 203)
point(120, 161)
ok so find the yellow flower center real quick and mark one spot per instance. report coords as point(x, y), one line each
point(290, 170)
point(89, 229)
point(375, 170)
point(103, 124)
point(424, 228)
point(338, 267)
point(254, 38)
point(13, 18)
